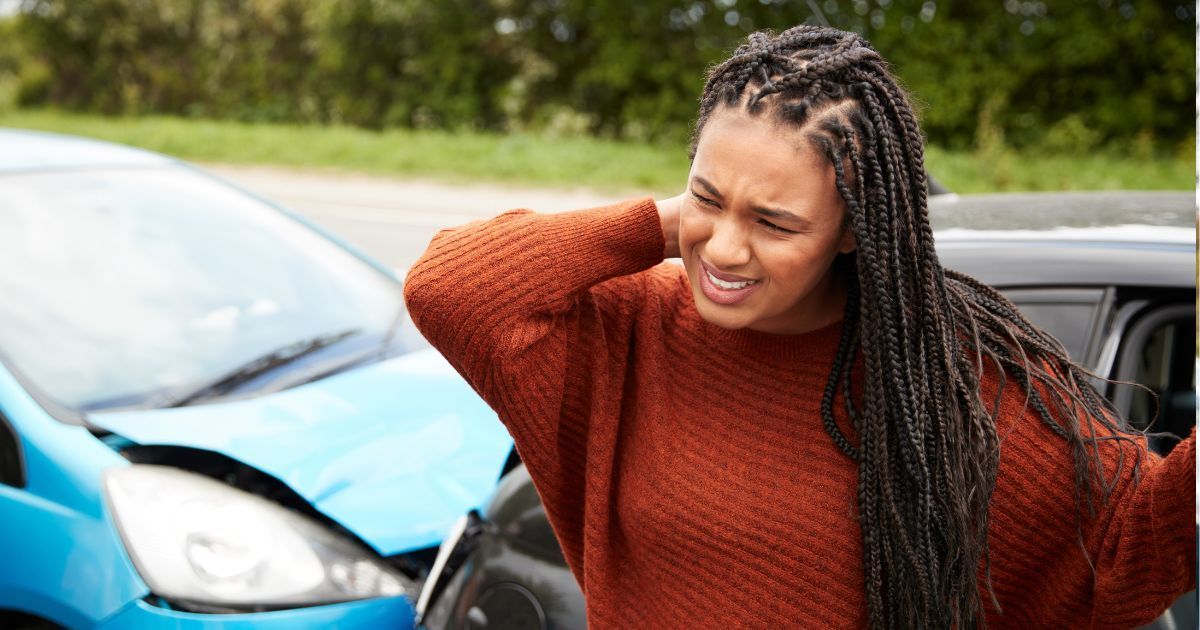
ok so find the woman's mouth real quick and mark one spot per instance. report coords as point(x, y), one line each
point(723, 291)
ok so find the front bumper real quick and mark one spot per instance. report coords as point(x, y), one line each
point(384, 612)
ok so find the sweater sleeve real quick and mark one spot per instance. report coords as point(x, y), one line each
point(515, 301)
point(1145, 551)
point(1057, 563)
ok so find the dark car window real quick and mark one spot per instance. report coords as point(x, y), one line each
point(1068, 314)
point(12, 469)
point(1158, 351)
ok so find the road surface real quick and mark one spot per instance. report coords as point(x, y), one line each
point(392, 220)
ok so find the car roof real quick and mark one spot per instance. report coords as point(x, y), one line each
point(24, 151)
point(1121, 238)
point(1058, 210)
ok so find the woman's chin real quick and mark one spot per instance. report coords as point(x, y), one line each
point(727, 317)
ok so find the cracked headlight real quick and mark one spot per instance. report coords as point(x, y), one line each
point(196, 540)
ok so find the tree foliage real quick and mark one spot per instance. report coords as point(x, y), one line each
point(363, 62)
point(1063, 76)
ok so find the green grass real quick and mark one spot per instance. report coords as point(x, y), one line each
point(527, 159)
point(457, 157)
point(1008, 170)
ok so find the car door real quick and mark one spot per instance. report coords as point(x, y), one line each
point(1129, 334)
point(1157, 349)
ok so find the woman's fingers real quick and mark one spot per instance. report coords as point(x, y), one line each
point(668, 213)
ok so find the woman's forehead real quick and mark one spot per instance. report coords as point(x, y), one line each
point(762, 156)
point(732, 129)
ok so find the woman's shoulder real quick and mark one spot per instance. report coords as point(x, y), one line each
point(664, 283)
point(668, 278)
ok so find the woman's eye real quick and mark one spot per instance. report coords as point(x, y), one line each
point(705, 200)
point(774, 228)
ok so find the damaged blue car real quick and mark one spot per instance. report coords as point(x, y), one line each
point(212, 414)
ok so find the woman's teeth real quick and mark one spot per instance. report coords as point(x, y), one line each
point(728, 286)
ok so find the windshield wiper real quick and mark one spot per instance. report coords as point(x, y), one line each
point(370, 355)
point(253, 369)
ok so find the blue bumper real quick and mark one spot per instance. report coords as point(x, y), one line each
point(389, 612)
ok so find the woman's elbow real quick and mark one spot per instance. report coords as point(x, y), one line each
point(420, 291)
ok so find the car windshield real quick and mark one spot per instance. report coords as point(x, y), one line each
point(122, 284)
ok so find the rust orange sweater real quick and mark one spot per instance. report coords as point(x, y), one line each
point(685, 468)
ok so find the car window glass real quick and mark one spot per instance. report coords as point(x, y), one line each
point(125, 282)
point(1067, 314)
point(1165, 363)
point(1068, 323)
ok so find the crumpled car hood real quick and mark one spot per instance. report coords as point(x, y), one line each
point(395, 451)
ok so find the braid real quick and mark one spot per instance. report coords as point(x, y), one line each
point(845, 346)
point(924, 440)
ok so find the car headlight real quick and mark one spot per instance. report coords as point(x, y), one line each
point(196, 540)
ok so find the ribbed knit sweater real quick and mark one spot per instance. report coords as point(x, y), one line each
point(685, 468)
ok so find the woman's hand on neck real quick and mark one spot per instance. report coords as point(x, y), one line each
point(668, 213)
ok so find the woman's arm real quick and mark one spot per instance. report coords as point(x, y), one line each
point(508, 299)
point(1057, 563)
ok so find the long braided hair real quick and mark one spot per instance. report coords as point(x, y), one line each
point(926, 442)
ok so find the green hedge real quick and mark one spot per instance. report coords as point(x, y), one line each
point(1060, 77)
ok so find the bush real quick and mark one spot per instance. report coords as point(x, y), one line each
point(1071, 136)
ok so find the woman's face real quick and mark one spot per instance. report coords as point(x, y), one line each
point(760, 226)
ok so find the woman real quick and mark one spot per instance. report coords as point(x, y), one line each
point(811, 423)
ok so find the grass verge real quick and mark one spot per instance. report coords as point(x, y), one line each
point(532, 160)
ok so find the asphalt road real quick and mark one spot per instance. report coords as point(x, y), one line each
point(393, 220)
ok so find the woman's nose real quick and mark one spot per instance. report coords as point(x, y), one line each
point(727, 247)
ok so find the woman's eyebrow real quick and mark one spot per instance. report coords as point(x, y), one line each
point(707, 185)
point(774, 213)
point(790, 217)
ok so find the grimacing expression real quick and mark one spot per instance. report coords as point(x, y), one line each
point(762, 213)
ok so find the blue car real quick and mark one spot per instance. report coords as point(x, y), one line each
point(212, 414)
